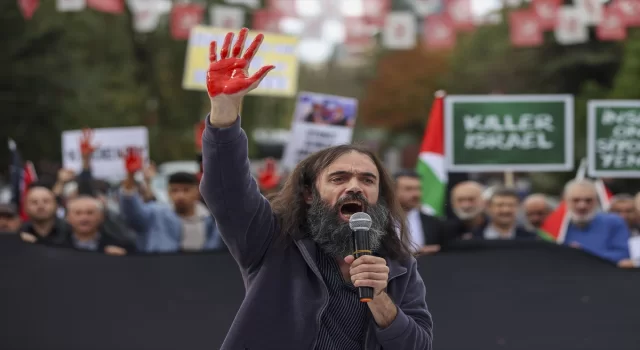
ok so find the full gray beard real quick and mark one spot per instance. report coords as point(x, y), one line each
point(333, 235)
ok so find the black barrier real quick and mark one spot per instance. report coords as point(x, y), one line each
point(506, 296)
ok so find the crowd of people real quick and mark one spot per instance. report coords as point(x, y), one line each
point(75, 213)
point(500, 213)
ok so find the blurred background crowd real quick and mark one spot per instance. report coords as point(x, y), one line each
point(73, 68)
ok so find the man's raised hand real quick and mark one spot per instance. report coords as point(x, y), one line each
point(228, 78)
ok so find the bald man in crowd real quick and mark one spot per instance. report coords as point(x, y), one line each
point(536, 209)
point(43, 226)
point(85, 215)
point(601, 234)
point(468, 205)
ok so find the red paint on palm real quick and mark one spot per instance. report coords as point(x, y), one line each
point(86, 148)
point(133, 160)
point(228, 74)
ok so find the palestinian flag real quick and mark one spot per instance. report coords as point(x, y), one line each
point(604, 194)
point(555, 225)
point(430, 165)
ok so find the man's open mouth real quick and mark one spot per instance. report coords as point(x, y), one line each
point(349, 208)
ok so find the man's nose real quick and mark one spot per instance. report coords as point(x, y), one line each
point(354, 186)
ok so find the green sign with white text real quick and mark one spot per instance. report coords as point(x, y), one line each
point(613, 138)
point(488, 133)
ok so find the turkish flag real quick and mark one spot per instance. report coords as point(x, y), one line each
point(28, 7)
point(571, 28)
point(547, 12)
point(461, 14)
point(183, 18)
point(375, 11)
point(612, 27)
point(525, 29)
point(358, 32)
point(629, 10)
point(108, 6)
point(439, 33)
point(284, 8)
point(266, 21)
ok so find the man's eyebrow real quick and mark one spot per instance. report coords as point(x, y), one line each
point(343, 172)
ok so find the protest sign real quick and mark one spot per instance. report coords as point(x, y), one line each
point(509, 132)
point(278, 50)
point(613, 138)
point(107, 162)
point(319, 121)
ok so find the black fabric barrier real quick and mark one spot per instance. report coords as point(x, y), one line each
point(490, 296)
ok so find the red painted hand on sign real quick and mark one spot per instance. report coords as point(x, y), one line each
point(133, 160)
point(228, 74)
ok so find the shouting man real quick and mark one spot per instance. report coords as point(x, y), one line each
point(295, 252)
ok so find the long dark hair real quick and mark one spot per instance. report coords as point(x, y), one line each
point(290, 207)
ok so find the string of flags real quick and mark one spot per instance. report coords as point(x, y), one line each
point(435, 23)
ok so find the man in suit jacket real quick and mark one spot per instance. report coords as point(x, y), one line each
point(502, 209)
point(428, 233)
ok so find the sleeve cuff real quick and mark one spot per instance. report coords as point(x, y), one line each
point(221, 135)
point(396, 329)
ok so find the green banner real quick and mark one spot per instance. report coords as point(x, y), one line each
point(613, 138)
point(490, 133)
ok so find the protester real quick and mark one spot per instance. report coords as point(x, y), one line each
point(623, 205)
point(502, 209)
point(9, 219)
point(601, 234)
point(536, 209)
point(428, 233)
point(468, 206)
point(294, 252)
point(85, 215)
point(186, 225)
point(44, 226)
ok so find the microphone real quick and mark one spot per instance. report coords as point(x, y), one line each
point(360, 223)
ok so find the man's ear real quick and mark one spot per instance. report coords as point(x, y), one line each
point(308, 196)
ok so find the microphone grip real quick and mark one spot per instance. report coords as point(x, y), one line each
point(362, 246)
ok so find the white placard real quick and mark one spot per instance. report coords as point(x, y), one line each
point(319, 121)
point(107, 162)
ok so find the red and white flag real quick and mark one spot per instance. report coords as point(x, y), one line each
point(358, 33)
point(266, 21)
point(230, 17)
point(591, 10)
point(399, 31)
point(147, 13)
point(571, 27)
point(547, 11)
point(525, 29)
point(612, 27)
point(70, 5)
point(107, 6)
point(375, 11)
point(438, 33)
point(461, 14)
point(253, 4)
point(284, 8)
point(183, 18)
point(629, 10)
point(28, 7)
point(425, 8)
